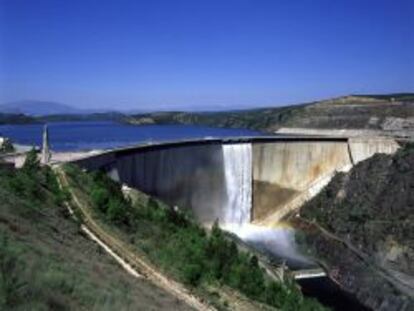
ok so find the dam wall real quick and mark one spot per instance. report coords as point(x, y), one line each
point(237, 182)
point(186, 176)
point(362, 148)
point(213, 180)
point(284, 170)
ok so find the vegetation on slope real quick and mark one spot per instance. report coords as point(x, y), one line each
point(183, 250)
point(102, 116)
point(46, 263)
point(370, 209)
point(255, 119)
point(375, 112)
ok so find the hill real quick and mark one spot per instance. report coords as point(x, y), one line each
point(8, 118)
point(361, 227)
point(38, 108)
point(47, 263)
point(102, 116)
point(393, 113)
point(43, 111)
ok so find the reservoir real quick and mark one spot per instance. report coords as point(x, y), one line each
point(88, 135)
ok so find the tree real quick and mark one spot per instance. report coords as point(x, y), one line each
point(100, 198)
point(32, 162)
point(116, 211)
point(6, 146)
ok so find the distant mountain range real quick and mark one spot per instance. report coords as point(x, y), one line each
point(44, 108)
point(38, 108)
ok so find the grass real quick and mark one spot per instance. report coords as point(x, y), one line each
point(182, 249)
point(46, 262)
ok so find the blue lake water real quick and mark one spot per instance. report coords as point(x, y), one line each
point(65, 136)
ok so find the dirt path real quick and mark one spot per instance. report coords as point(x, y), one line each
point(121, 249)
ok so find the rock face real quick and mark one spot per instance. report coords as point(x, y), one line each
point(355, 112)
point(361, 226)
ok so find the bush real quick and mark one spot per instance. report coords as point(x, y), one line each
point(116, 211)
point(31, 164)
point(100, 198)
point(182, 248)
point(7, 146)
point(34, 183)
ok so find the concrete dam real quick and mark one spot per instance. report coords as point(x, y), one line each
point(255, 180)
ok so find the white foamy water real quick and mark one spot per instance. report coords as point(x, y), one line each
point(279, 241)
point(238, 176)
point(236, 213)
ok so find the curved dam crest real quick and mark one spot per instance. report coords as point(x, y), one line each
point(237, 181)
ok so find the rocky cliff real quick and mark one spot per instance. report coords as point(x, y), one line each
point(361, 228)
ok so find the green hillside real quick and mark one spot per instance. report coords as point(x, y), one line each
point(47, 263)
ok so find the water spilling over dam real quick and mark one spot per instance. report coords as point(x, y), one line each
point(237, 159)
point(236, 181)
point(248, 185)
point(278, 242)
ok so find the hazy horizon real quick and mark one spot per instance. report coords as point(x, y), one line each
point(215, 55)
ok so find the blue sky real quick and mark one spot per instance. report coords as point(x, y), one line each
point(199, 54)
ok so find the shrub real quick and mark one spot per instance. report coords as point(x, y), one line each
point(116, 211)
point(182, 248)
point(7, 146)
point(31, 164)
point(100, 198)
